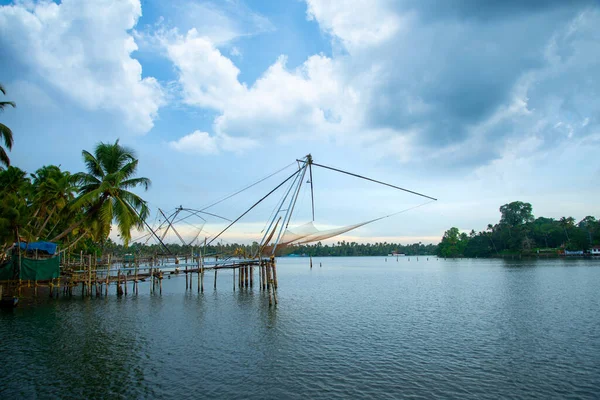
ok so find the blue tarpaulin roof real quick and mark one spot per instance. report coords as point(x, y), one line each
point(48, 247)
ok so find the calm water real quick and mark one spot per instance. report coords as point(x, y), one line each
point(355, 328)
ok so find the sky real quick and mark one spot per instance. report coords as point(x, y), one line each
point(475, 103)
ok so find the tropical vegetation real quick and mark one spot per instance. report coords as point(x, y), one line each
point(519, 232)
point(5, 132)
point(73, 209)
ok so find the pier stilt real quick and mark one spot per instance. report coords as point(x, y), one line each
point(215, 279)
point(274, 266)
point(202, 281)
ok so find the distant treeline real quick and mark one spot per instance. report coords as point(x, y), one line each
point(519, 232)
point(342, 248)
point(352, 249)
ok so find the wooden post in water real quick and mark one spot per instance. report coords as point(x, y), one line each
point(202, 279)
point(125, 282)
point(233, 269)
point(310, 262)
point(89, 288)
point(251, 276)
point(107, 277)
point(215, 276)
point(119, 288)
point(160, 279)
point(274, 266)
point(274, 282)
point(198, 273)
point(135, 282)
point(264, 272)
point(268, 276)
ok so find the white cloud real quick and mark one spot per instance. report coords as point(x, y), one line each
point(356, 23)
point(307, 101)
point(208, 78)
point(83, 49)
point(199, 142)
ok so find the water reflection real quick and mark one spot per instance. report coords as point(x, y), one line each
point(355, 328)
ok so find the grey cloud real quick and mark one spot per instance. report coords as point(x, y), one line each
point(487, 10)
point(447, 76)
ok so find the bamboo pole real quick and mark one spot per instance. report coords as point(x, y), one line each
point(107, 277)
point(202, 280)
point(135, 282)
point(268, 276)
point(274, 266)
point(215, 277)
point(90, 275)
point(233, 279)
point(260, 274)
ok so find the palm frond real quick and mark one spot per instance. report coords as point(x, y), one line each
point(84, 179)
point(132, 183)
point(92, 164)
point(113, 156)
point(4, 157)
point(3, 104)
point(6, 135)
point(128, 169)
point(87, 199)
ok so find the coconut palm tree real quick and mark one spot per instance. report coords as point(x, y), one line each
point(53, 191)
point(15, 190)
point(104, 192)
point(5, 132)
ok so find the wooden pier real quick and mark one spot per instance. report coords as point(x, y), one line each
point(87, 277)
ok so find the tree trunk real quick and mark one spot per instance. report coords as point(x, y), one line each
point(37, 236)
point(67, 231)
point(76, 241)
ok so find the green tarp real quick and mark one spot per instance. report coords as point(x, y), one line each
point(35, 270)
point(6, 271)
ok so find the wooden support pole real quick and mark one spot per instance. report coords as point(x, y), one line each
point(106, 282)
point(233, 269)
point(268, 276)
point(160, 284)
point(310, 262)
point(119, 288)
point(215, 278)
point(202, 280)
point(274, 289)
point(251, 276)
point(90, 275)
point(125, 282)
